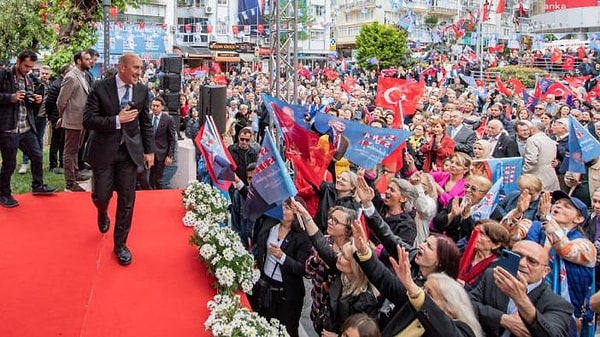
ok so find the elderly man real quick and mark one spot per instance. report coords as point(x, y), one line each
point(463, 136)
point(503, 146)
point(523, 305)
point(539, 153)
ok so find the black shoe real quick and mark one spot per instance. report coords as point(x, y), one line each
point(44, 190)
point(8, 201)
point(83, 176)
point(123, 255)
point(103, 222)
point(74, 187)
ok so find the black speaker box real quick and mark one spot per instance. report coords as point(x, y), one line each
point(171, 64)
point(213, 101)
point(171, 83)
point(171, 101)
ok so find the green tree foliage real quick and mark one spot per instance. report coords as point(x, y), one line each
point(305, 20)
point(386, 43)
point(22, 27)
point(76, 21)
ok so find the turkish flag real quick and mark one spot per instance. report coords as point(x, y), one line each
point(187, 27)
point(235, 29)
point(215, 67)
point(260, 29)
point(581, 53)
point(331, 74)
point(457, 31)
point(556, 56)
point(594, 93)
point(558, 90)
point(502, 88)
point(500, 8)
point(392, 91)
point(209, 29)
point(516, 84)
point(576, 82)
point(303, 72)
point(486, 11)
point(569, 62)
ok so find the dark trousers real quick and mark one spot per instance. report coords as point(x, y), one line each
point(40, 127)
point(120, 175)
point(156, 174)
point(82, 150)
point(57, 146)
point(28, 143)
point(286, 311)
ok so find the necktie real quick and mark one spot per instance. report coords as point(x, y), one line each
point(125, 98)
point(155, 123)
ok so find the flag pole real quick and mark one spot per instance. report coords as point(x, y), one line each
point(480, 39)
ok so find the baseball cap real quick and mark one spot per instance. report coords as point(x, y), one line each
point(580, 205)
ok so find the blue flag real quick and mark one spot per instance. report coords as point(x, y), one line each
point(544, 84)
point(271, 183)
point(582, 146)
point(506, 170)
point(469, 80)
point(530, 101)
point(364, 146)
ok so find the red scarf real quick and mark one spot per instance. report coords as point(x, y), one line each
point(469, 273)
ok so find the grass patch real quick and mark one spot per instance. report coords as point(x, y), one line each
point(21, 183)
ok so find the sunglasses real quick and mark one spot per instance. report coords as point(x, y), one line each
point(244, 139)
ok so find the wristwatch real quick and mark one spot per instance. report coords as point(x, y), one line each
point(547, 217)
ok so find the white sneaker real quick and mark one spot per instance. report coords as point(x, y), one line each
point(23, 169)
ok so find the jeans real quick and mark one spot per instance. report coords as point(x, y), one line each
point(28, 143)
point(40, 127)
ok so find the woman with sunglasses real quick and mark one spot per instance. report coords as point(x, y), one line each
point(458, 219)
point(350, 292)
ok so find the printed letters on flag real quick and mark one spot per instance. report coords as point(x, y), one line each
point(582, 146)
point(508, 170)
point(271, 183)
point(486, 206)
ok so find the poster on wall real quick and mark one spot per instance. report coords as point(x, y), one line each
point(144, 39)
point(557, 5)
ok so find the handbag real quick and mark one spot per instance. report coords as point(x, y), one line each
point(264, 296)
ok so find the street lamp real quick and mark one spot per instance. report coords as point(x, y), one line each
point(106, 4)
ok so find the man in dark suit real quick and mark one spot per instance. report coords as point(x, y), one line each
point(121, 144)
point(165, 140)
point(464, 137)
point(522, 305)
point(503, 146)
point(17, 127)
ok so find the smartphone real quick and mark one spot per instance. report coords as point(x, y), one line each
point(509, 261)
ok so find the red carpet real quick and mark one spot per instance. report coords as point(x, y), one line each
point(59, 277)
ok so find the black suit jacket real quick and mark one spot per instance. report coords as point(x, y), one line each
point(553, 312)
point(506, 147)
point(164, 138)
point(100, 117)
point(296, 247)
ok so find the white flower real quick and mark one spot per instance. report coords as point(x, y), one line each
point(190, 219)
point(228, 254)
point(207, 251)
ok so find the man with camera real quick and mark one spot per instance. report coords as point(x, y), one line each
point(73, 95)
point(17, 127)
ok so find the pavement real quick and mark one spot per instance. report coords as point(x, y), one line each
point(306, 328)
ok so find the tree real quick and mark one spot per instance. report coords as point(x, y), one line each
point(23, 26)
point(76, 19)
point(386, 43)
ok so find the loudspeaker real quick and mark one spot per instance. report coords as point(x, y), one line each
point(171, 101)
point(213, 101)
point(171, 64)
point(171, 83)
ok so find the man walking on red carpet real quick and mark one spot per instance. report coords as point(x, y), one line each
point(121, 144)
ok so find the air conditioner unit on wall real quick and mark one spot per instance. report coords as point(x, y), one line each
point(208, 9)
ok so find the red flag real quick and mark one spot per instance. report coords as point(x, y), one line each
point(500, 8)
point(303, 72)
point(331, 74)
point(581, 53)
point(502, 88)
point(471, 21)
point(576, 82)
point(594, 93)
point(457, 31)
point(486, 11)
point(391, 91)
point(569, 62)
point(516, 85)
point(215, 67)
point(302, 146)
point(556, 56)
point(558, 90)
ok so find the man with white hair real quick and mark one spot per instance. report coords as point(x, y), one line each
point(551, 105)
point(540, 151)
point(503, 146)
point(463, 136)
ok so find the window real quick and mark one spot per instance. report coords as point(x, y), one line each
point(319, 11)
point(222, 2)
point(317, 35)
point(221, 28)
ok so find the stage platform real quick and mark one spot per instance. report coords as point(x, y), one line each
point(59, 276)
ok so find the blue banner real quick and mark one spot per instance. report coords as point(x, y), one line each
point(486, 206)
point(365, 146)
point(143, 39)
point(507, 170)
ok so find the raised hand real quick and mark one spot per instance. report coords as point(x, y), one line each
point(359, 237)
point(364, 191)
point(402, 269)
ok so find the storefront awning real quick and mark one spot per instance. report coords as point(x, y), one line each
point(193, 52)
point(247, 57)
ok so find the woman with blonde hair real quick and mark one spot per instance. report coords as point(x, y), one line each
point(482, 150)
point(350, 292)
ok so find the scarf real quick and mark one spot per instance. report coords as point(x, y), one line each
point(466, 272)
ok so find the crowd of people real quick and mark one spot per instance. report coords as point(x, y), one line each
point(389, 251)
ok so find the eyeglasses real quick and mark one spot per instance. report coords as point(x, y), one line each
point(537, 108)
point(335, 221)
point(472, 188)
point(244, 139)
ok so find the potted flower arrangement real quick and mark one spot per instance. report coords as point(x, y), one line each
point(204, 203)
